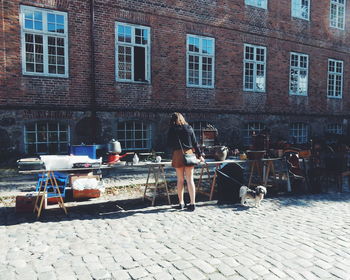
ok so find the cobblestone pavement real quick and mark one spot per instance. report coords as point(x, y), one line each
point(290, 237)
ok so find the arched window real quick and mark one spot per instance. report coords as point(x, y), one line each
point(250, 129)
point(46, 137)
point(134, 135)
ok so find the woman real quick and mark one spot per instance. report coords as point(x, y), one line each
point(181, 131)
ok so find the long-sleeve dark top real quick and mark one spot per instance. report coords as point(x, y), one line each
point(186, 135)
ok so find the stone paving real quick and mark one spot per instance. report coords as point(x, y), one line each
point(288, 237)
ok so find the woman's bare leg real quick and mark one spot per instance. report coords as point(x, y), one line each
point(180, 184)
point(190, 183)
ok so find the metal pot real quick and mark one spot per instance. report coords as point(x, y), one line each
point(114, 147)
point(220, 153)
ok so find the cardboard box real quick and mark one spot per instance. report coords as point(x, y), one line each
point(25, 203)
point(86, 193)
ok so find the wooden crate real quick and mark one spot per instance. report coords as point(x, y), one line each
point(25, 203)
point(86, 193)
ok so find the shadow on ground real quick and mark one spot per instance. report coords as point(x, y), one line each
point(123, 208)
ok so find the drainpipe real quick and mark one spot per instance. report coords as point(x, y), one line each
point(93, 104)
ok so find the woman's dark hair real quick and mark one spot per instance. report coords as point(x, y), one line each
point(177, 119)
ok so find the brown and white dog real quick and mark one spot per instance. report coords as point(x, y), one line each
point(257, 194)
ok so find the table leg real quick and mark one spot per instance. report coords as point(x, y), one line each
point(267, 173)
point(60, 199)
point(147, 181)
point(200, 177)
point(165, 183)
point(36, 208)
point(43, 197)
point(289, 187)
point(156, 177)
point(213, 182)
point(251, 172)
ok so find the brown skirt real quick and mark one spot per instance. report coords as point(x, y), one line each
point(178, 159)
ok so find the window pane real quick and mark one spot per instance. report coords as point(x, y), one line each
point(38, 25)
point(31, 138)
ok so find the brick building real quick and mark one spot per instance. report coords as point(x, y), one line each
point(92, 70)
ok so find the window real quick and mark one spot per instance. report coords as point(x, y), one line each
point(132, 53)
point(46, 138)
point(337, 14)
point(252, 128)
point(298, 74)
point(200, 61)
point(301, 9)
point(44, 42)
point(198, 126)
point(134, 135)
point(298, 133)
point(257, 3)
point(335, 78)
point(335, 128)
point(254, 68)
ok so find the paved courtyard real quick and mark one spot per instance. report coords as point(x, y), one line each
point(289, 237)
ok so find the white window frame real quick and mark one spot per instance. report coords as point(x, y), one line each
point(248, 130)
point(45, 34)
point(257, 3)
point(299, 68)
point(201, 55)
point(299, 131)
point(297, 11)
point(335, 22)
point(133, 44)
point(335, 128)
point(255, 64)
point(47, 131)
point(145, 127)
point(335, 74)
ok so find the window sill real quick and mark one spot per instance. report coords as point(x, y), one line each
point(203, 87)
point(253, 91)
point(133, 82)
point(294, 94)
point(334, 97)
point(44, 75)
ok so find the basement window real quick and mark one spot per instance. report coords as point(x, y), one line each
point(44, 37)
point(334, 128)
point(257, 3)
point(298, 133)
point(134, 135)
point(132, 53)
point(46, 137)
point(301, 9)
point(337, 13)
point(250, 129)
point(335, 78)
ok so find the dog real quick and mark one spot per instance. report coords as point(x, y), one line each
point(257, 194)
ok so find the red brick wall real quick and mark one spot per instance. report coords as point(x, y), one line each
point(43, 92)
point(231, 23)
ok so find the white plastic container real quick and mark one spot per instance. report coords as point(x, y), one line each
point(54, 162)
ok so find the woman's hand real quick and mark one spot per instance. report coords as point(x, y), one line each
point(201, 159)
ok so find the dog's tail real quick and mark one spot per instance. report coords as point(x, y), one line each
point(243, 191)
